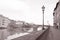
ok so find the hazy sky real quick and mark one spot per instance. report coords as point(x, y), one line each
point(28, 10)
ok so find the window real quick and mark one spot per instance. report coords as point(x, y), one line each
point(3, 22)
point(53, 14)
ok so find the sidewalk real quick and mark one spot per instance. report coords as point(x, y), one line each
point(54, 34)
point(51, 34)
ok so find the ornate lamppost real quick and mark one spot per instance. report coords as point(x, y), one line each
point(43, 9)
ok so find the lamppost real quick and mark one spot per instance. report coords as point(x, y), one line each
point(43, 9)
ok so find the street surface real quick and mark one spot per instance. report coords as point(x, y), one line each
point(54, 34)
point(51, 34)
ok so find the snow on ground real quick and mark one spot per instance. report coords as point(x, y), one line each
point(39, 28)
point(16, 35)
point(22, 34)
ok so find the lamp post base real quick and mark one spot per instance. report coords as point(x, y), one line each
point(43, 28)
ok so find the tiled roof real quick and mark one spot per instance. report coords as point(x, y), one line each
point(56, 6)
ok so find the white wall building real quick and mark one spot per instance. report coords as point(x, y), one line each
point(4, 21)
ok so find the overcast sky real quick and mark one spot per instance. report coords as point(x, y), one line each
point(28, 10)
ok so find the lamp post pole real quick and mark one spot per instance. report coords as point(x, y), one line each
point(43, 9)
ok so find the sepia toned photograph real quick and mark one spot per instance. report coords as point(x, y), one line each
point(29, 20)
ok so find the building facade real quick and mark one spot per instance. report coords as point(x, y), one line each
point(4, 21)
point(56, 15)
